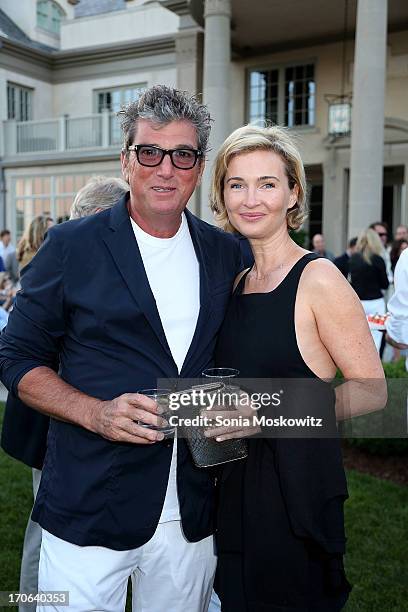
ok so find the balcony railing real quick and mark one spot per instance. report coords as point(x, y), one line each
point(61, 134)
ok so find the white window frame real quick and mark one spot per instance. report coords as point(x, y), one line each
point(53, 196)
point(48, 21)
point(281, 103)
point(19, 91)
point(114, 89)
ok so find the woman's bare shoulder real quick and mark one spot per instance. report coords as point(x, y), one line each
point(322, 273)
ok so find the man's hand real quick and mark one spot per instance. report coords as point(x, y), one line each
point(118, 419)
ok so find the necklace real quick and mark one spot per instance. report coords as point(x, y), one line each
point(261, 277)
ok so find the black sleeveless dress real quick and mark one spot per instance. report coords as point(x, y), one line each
point(280, 528)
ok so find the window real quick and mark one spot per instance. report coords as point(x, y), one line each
point(49, 16)
point(283, 95)
point(50, 195)
point(113, 99)
point(19, 102)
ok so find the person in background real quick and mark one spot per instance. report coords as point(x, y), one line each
point(368, 276)
point(24, 433)
point(99, 193)
point(397, 323)
point(401, 233)
point(32, 239)
point(319, 247)
point(396, 249)
point(381, 228)
point(8, 255)
point(342, 262)
point(7, 296)
point(5, 244)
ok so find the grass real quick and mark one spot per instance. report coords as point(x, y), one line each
point(376, 522)
point(377, 531)
point(15, 505)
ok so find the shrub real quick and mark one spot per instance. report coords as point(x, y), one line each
point(386, 446)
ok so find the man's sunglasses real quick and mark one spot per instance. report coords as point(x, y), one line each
point(183, 159)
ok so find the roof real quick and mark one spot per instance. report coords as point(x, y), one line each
point(95, 7)
point(8, 29)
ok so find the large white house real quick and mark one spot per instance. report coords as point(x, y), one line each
point(335, 71)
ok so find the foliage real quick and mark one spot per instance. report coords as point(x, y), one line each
point(299, 236)
point(395, 410)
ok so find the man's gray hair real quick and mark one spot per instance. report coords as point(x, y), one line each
point(99, 193)
point(161, 104)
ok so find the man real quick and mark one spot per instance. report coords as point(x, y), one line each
point(319, 247)
point(5, 244)
point(342, 262)
point(99, 193)
point(401, 233)
point(8, 255)
point(397, 322)
point(24, 432)
point(123, 298)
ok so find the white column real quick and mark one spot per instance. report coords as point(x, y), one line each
point(367, 129)
point(105, 128)
point(404, 197)
point(62, 133)
point(189, 57)
point(216, 94)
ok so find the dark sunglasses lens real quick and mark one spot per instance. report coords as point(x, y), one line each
point(184, 158)
point(150, 156)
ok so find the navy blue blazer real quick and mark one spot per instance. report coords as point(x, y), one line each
point(86, 301)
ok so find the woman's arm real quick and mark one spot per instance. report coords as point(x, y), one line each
point(343, 330)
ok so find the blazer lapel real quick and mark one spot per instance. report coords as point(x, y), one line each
point(205, 304)
point(122, 244)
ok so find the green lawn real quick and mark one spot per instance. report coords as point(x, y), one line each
point(377, 529)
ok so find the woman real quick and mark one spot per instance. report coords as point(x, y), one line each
point(397, 247)
point(32, 239)
point(280, 535)
point(368, 276)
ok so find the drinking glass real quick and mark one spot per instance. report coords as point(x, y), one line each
point(161, 396)
point(224, 376)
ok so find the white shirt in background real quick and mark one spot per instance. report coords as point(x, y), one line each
point(5, 251)
point(397, 322)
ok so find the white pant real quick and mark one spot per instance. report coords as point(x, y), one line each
point(375, 307)
point(168, 573)
point(31, 553)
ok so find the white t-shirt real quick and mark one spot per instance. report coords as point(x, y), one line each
point(5, 251)
point(397, 323)
point(173, 273)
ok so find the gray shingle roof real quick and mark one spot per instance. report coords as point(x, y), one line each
point(10, 30)
point(95, 7)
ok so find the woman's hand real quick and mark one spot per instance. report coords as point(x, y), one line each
point(232, 424)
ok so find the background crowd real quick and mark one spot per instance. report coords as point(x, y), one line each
point(368, 263)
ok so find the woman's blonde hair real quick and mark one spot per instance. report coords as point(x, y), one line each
point(33, 236)
point(369, 244)
point(256, 138)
